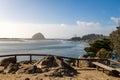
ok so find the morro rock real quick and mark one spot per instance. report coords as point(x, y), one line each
point(38, 36)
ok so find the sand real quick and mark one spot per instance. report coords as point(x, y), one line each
point(84, 75)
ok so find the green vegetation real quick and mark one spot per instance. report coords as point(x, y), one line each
point(106, 48)
point(89, 37)
point(115, 39)
point(103, 53)
point(100, 48)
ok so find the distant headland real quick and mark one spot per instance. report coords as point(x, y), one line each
point(89, 37)
point(40, 36)
point(37, 36)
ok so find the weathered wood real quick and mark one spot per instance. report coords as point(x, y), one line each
point(15, 59)
point(103, 66)
point(77, 59)
point(77, 63)
point(108, 62)
point(51, 55)
point(117, 62)
point(30, 58)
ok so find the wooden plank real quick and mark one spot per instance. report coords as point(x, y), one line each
point(103, 66)
point(114, 61)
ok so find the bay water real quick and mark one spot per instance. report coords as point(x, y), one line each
point(56, 47)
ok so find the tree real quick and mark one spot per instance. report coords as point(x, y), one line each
point(103, 53)
point(115, 39)
point(97, 46)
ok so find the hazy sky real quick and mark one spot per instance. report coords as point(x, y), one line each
point(58, 18)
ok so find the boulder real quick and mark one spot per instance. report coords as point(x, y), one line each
point(52, 65)
point(47, 62)
point(29, 70)
point(56, 66)
point(5, 62)
point(11, 68)
point(60, 72)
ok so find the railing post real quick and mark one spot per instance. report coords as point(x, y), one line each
point(108, 62)
point(30, 58)
point(78, 63)
point(89, 61)
point(15, 59)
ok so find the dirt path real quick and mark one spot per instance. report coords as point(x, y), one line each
point(84, 75)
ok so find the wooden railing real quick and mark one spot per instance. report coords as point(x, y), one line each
point(76, 59)
point(111, 60)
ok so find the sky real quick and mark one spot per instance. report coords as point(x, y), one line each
point(58, 18)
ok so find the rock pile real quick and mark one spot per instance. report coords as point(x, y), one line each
point(5, 62)
point(56, 66)
point(50, 65)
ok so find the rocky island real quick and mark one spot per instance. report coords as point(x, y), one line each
point(38, 36)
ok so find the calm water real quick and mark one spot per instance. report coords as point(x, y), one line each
point(57, 47)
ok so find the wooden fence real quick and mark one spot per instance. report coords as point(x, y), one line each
point(90, 60)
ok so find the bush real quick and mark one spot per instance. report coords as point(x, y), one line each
point(114, 73)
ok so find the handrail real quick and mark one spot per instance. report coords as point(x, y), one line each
point(49, 55)
point(117, 62)
point(90, 60)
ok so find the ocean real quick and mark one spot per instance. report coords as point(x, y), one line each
point(56, 47)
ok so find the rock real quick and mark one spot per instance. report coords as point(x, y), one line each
point(5, 62)
point(45, 69)
point(38, 36)
point(47, 62)
point(60, 72)
point(27, 78)
point(11, 68)
point(114, 73)
point(56, 66)
point(24, 62)
point(52, 65)
point(29, 70)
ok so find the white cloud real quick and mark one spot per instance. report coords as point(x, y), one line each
point(116, 20)
point(88, 24)
point(62, 24)
point(15, 29)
